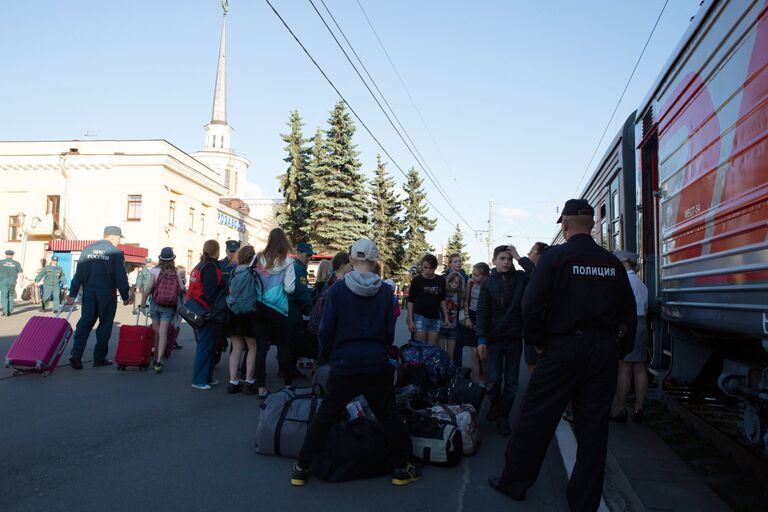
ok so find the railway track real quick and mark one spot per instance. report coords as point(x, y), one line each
point(701, 427)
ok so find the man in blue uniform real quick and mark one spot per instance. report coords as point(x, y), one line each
point(229, 263)
point(100, 271)
point(54, 280)
point(10, 270)
point(300, 301)
point(578, 312)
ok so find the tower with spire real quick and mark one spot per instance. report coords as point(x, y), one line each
point(217, 151)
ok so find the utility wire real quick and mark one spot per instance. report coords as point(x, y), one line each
point(423, 161)
point(407, 92)
point(381, 107)
point(360, 120)
point(607, 126)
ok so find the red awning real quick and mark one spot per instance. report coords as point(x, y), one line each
point(133, 253)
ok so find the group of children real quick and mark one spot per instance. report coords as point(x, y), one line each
point(483, 312)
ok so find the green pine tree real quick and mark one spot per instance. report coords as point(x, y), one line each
point(295, 183)
point(417, 223)
point(456, 245)
point(320, 179)
point(386, 224)
point(340, 201)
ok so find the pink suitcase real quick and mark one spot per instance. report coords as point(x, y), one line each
point(39, 345)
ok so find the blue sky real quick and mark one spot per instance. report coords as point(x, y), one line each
point(516, 93)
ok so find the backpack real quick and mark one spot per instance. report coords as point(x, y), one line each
point(166, 291)
point(245, 287)
point(435, 361)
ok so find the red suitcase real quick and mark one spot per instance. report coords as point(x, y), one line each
point(39, 345)
point(172, 336)
point(134, 345)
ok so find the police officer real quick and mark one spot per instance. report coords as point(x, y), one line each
point(229, 263)
point(300, 301)
point(578, 305)
point(100, 270)
point(10, 270)
point(54, 280)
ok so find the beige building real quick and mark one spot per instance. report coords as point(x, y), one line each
point(159, 195)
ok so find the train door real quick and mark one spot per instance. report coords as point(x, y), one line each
point(614, 200)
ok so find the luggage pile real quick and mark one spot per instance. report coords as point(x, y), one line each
point(438, 404)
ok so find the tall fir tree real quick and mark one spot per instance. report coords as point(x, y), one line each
point(320, 178)
point(296, 183)
point(416, 221)
point(456, 245)
point(386, 224)
point(340, 202)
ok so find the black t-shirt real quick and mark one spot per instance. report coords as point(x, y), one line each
point(426, 294)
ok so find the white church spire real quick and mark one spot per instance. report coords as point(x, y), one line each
point(220, 93)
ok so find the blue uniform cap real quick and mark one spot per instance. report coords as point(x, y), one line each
point(55, 258)
point(232, 245)
point(576, 207)
point(113, 231)
point(305, 248)
point(9, 252)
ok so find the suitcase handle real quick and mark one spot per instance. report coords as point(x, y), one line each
point(139, 311)
point(71, 308)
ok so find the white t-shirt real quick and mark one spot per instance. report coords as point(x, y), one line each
point(132, 277)
point(640, 291)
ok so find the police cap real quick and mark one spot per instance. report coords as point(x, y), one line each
point(232, 245)
point(9, 252)
point(576, 207)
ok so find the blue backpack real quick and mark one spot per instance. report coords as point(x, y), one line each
point(245, 289)
point(434, 360)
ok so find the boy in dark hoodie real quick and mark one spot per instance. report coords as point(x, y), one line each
point(499, 331)
point(356, 331)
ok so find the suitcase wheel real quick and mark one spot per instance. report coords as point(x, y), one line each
point(16, 372)
point(143, 367)
point(45, 374)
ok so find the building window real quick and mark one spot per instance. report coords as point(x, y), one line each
point(191, 219)
point(234, 185)
point(172, 213)
point(214, 141)
point(202, 222)
point(226, 177)
point(134, 208)
point(14, 229)
point(53, 206)
point(189, 261)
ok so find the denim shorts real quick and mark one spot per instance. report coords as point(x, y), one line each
point(161, 312)
point(426, 324)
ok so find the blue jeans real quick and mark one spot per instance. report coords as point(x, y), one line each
point(503, 373)
point(202, 371)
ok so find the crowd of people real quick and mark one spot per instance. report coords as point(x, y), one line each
point(545, 313)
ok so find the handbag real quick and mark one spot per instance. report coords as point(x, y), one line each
point(194, 313)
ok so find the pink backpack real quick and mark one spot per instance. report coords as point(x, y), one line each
point(166, 288)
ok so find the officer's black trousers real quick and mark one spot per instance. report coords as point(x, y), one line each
point(580, 369)
point(95, 307)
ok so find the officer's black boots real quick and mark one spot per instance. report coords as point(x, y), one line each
point(75, 363)
point(103, 362)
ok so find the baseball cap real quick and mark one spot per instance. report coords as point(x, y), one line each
point(166, 254)
point(9, 252)
point(364, 250)
point(625, 255)
point(305, 248)
point(232, 245)
point(576, 207)
point(55, 258)
point(113, 231)
point(147, 260)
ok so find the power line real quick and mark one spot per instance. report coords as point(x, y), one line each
point(429, 174)
point(360, 120)
point(607, 126)
point(407, 92)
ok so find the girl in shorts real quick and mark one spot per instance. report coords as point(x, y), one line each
point(426, 301)
point(162, 315)
point(479, 273)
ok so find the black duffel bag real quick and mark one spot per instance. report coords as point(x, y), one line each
point(354, 449)
point(461, 390)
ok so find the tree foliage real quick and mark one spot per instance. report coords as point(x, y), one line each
point(386, 224)
point(296, 183)
point(416, 221)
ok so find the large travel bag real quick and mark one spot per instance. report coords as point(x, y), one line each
point(419, 356)
point(461, 390)
point(354, 449)
point(285, 417)
point(135, 344)
point(39, 345)
point(433, 441)
point(464, 417)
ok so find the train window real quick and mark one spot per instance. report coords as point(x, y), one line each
point(616, 222)
point(604, 234)
point(602, 211)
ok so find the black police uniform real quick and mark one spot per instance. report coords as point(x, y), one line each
point(577, 306)
point(100, 271)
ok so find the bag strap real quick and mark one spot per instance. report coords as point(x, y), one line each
point(280, 423)
point(450, 413)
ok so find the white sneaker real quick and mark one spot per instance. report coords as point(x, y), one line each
point(214, 382)
point(203, 386)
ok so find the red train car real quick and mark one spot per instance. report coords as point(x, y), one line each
point(699, 219)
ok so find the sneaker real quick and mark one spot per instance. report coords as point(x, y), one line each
point(158, 366)
point(406, 475)
point(503, 427)
point(214, 382)
point(204, 387)
point(76, 363)
point(299, 476)
point(250, 388)
point(233, 388)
